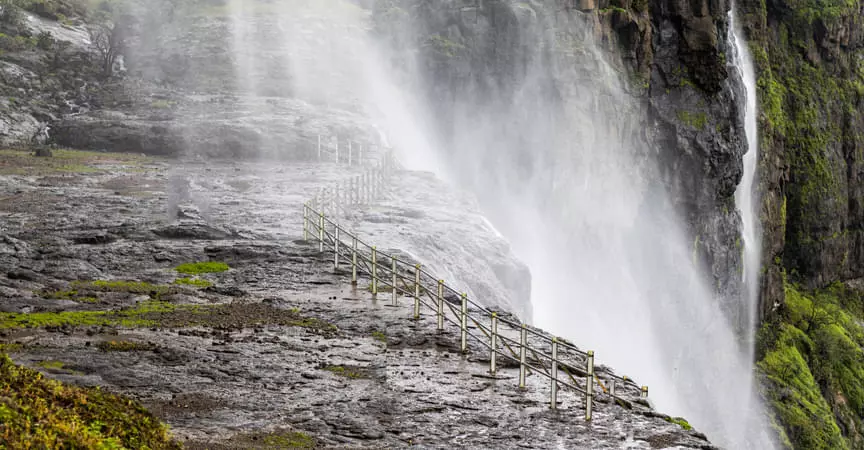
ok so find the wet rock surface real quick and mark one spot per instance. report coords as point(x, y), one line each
point(280, 341)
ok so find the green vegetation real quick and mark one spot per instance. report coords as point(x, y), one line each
point(814, 363)
point(806, 104)
point(162, 104)
point(346, 372)
point(693, 120)
point(202, 267)
point(290, 439)
point(444, 47)
point(55, 365)
point(10, 348)
point(37, 412)
point(196, 282)
point(65, 162)
point(124, 346)
point(72, 295)
point(282, 439)
point(130, 318)
point(680, 421)
point(379, 336)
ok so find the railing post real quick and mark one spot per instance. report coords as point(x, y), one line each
point(354, 261)
point(337, 150)
point(440, 305)
point(336, 249)
point(523, 346)
point(644, 392)
point(589, 386)
point(494, 341)
point(374, 272)
point(395, 294)
point(464, 343)
point(350, 152)
point(360, 153)
point(417, 292)
point(554, 374)
point(321, 232)
point(305, 221)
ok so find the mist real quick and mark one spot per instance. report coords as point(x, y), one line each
point(557, 156)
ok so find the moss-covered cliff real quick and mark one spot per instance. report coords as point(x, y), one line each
point(810, 57)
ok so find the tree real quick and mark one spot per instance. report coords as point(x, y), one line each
point(108, 39)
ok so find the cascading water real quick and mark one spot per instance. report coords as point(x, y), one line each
point(554, 148)
point(746, 196)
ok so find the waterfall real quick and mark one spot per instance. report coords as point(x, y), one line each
point(543, 131)
point(553, 145)
point(746, 196)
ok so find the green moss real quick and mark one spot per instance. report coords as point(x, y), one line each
point(41, 413)
point(10, 348)
point(346, 372)
point(290, 439)
point(693, 120)
point(72, 295)
point(124, 346)
point(131, 287)
point(196, 282)
point(132, 317)
point(814, 362)
point(680, 421)
point(51, 364)
point(379, 336)
point(202, 267)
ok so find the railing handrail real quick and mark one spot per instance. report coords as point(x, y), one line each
point(389, 270)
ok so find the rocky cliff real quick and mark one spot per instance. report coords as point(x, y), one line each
point(811, 83)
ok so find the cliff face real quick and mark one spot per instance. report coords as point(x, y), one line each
point(810, 59)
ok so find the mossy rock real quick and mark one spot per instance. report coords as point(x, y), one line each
point(37, 412)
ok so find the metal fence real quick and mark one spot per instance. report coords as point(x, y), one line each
point(504, 337)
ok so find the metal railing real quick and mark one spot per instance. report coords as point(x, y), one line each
point(500, 334)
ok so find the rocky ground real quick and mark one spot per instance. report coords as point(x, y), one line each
point(276, 352)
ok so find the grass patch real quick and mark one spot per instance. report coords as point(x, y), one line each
point(131, 287)
point(37, 412)
point(201, 267)
point(72, 295)
point(130, 318)
point(379, 336)
point(196, 282)
point(10, 348)
point(63, 161)
point(347, 372)
point(168, 315)
point(53, 365)
point(124, 346)
point(290, 439)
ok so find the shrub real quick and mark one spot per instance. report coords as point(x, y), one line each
point(45, 41)
point(41, 413)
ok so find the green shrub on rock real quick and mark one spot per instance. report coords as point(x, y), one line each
point(37, 412)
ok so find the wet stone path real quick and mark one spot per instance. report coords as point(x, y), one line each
point(277, 351)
